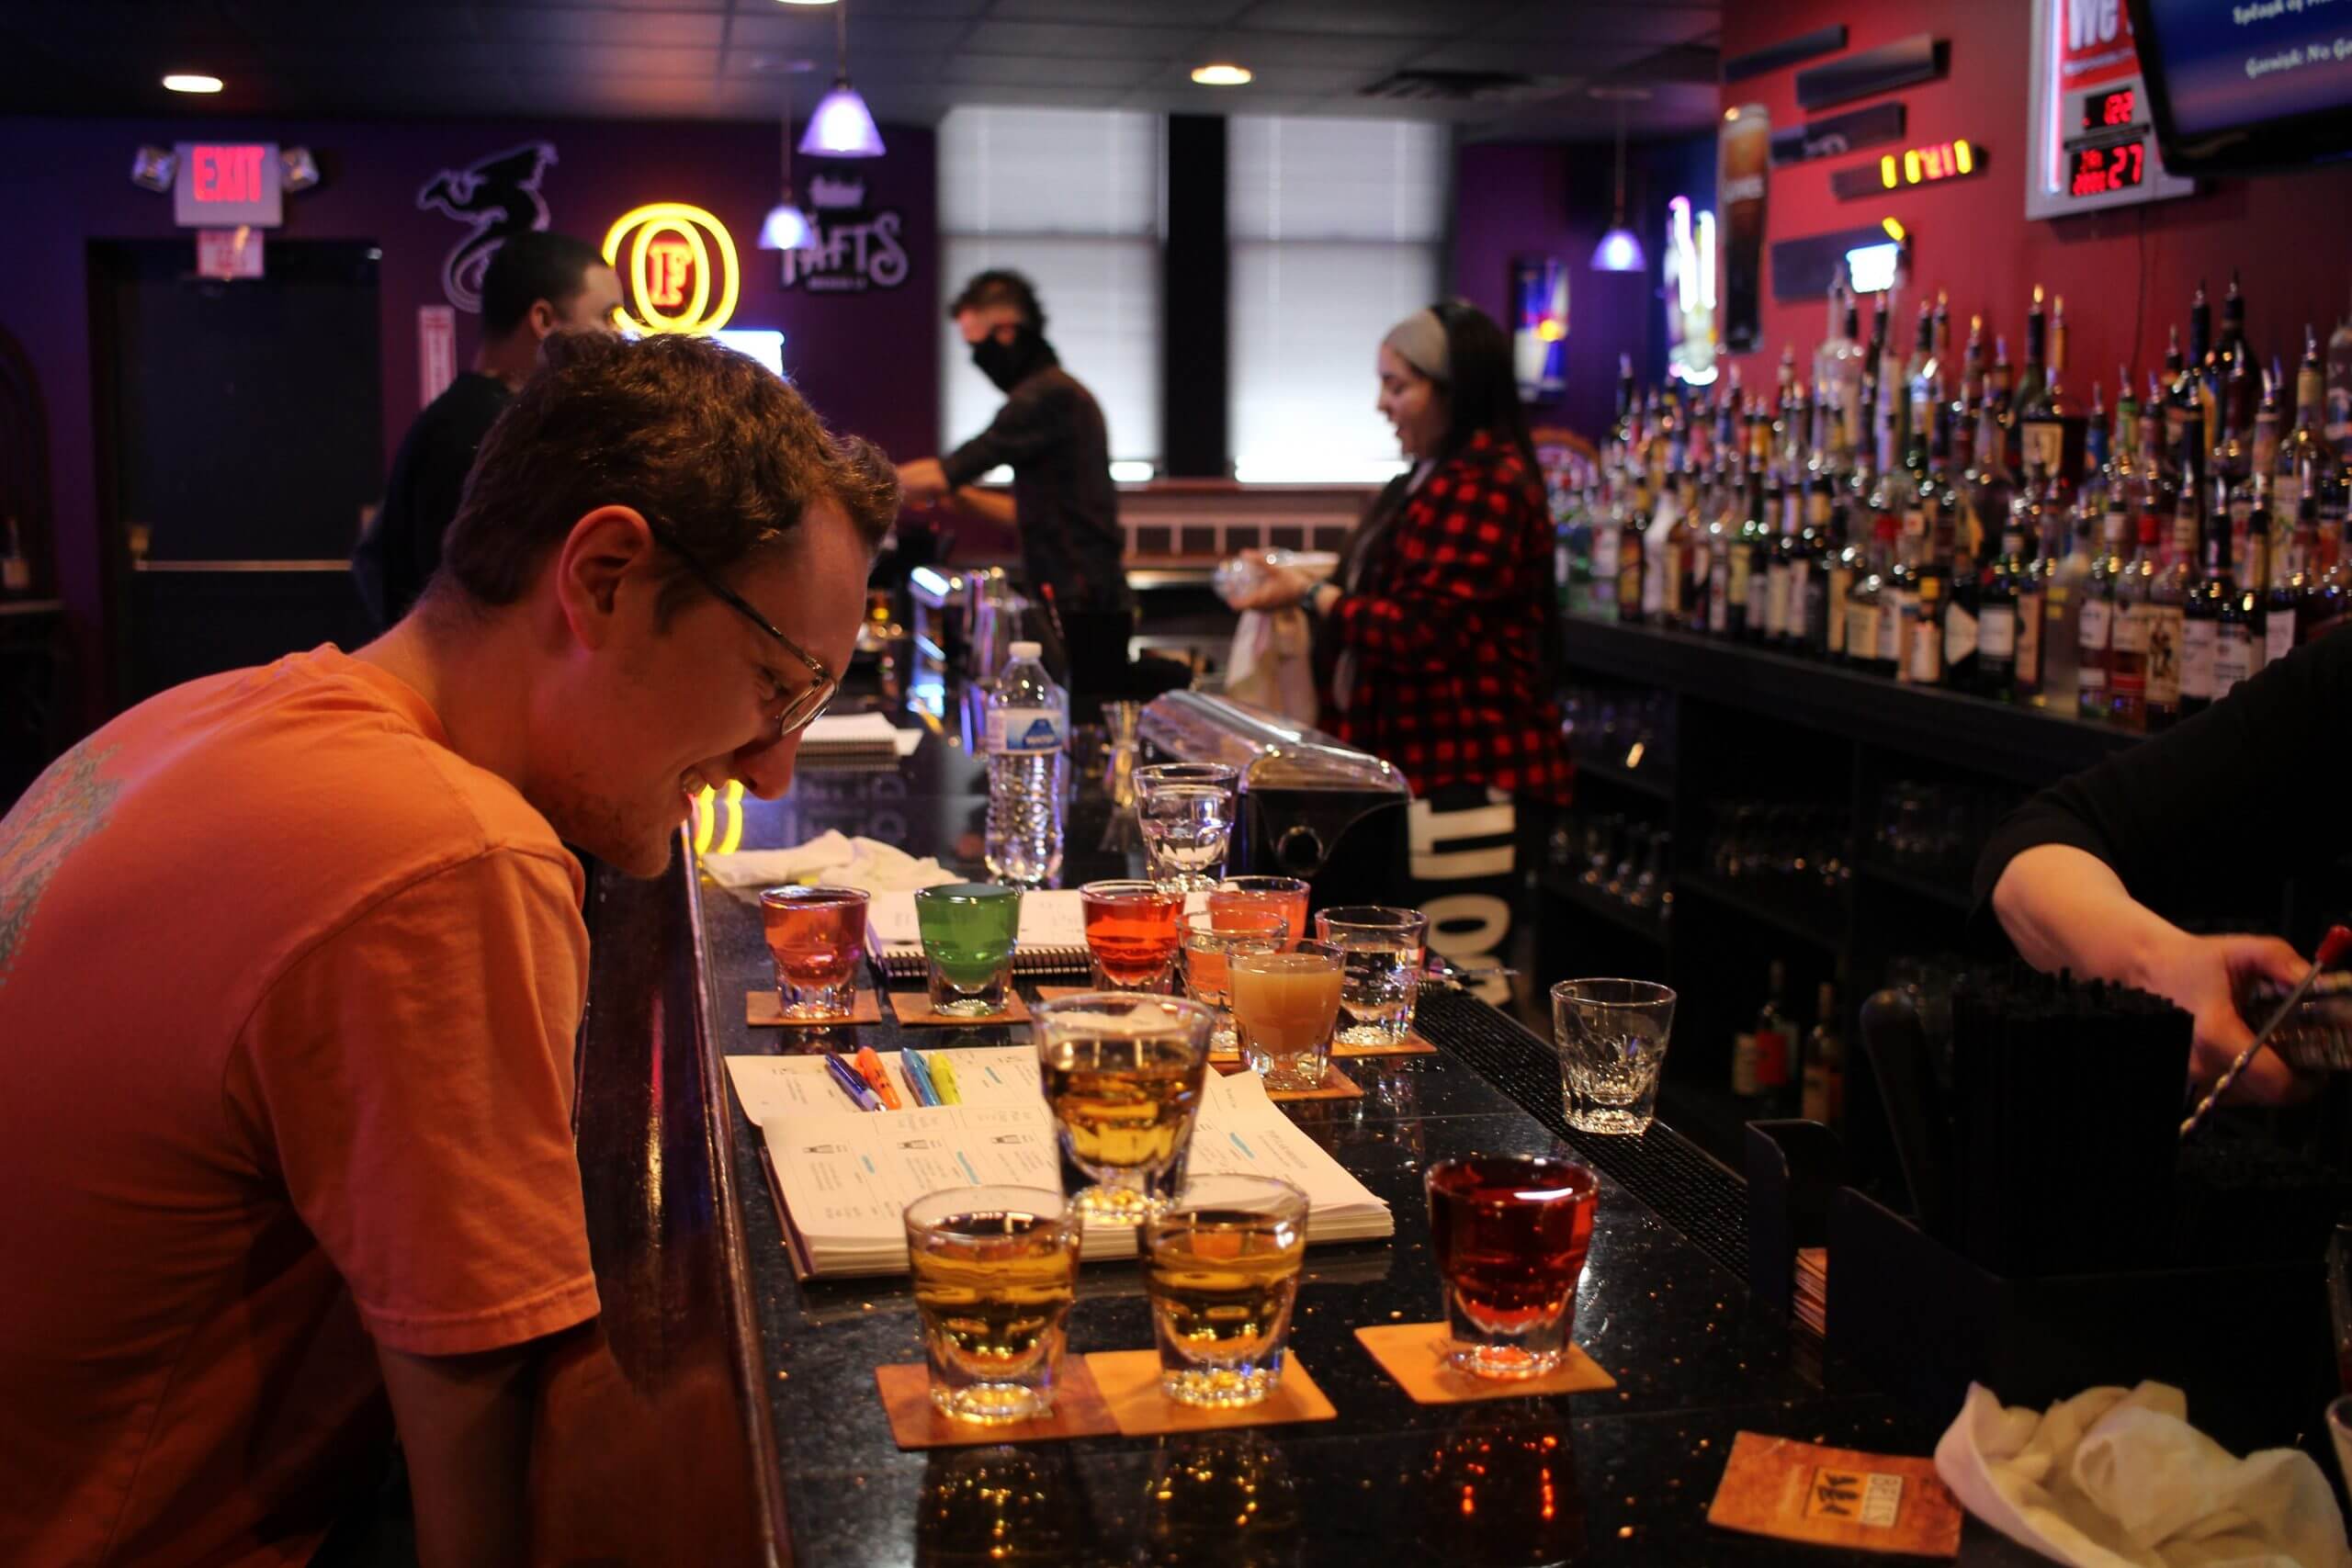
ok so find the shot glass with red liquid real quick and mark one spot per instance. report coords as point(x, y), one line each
point(1285, 895)
point(1131, 934)
point(815, 935)
point(1511, 1233)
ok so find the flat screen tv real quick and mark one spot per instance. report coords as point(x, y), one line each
point(2237, 86)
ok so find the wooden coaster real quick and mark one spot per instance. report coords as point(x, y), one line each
point(1411, 1045)
point(1777, 1486)
point(917, 1423)
point(765, 1010)
point(1336, 1085)
point(1413, 1355)
point(1129, 1381)
point(913, 1008)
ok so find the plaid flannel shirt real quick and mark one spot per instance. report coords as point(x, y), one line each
point(1448, 636)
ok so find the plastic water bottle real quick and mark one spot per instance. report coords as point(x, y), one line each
point(1028, 751)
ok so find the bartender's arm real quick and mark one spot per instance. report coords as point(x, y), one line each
point(1030, 422)
point(2211, 818)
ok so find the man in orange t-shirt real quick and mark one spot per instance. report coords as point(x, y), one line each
point(291, 963)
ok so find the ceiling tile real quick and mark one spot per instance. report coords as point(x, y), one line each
point(1024, 71)
point(1254, 47)
point(1662, 22)
point(811, 32)
point(1528, 59)
point(615, 60)
point(1397, 17)
point(1206, 13)
point(280, 21)
point(1072, 40)
point(643, 29)
point(604, 5)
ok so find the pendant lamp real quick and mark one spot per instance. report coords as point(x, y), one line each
point(787, 227)
point(1619, 249)
point(841, 126)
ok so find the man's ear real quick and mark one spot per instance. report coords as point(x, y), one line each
point(543, 320)
point(605, 551)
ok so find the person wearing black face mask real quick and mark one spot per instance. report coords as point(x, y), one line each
point(1050, 433)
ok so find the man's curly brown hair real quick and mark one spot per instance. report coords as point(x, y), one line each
point(704, 442)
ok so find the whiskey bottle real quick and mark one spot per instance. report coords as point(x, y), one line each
point(2201, 603)
point(2095, 633)
point(2135, 617)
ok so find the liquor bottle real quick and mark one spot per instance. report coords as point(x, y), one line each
point(2204, 368)
point(2095, 633)
point(2201, 600)
point(1631, 532)
point(1824, 1098)
point(1809, 558)
point(1845, 565)
point(2184, 411)
point(1751, 566)
point(2050, 431)
point(2239, 635)
point(2174, 575)
point(2069, 543)
point(2009, 615)
point(1971, 374)
point(2234, 352)
point(2030, 384)
point(1990, 484)
point(16, 571)
point(2307, 444)
point(2325, 607)
point(2136, 612)
point(2293, 585)
point(1669, 591)
point(1866, 600)
point(2227, 468)
point(1918, 386)
point(1776, 1037)
point(1901, 601)
point(1927, 656)
point(1722, 529)
point(1620, 429)
point(2270, 426)
point(2340, 389)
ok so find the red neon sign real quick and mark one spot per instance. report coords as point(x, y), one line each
point(669, 273)
point(227, 173)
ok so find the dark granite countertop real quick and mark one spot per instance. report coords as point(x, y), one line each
point(1620, 1476)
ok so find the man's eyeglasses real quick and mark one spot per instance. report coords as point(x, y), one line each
point(793, 709)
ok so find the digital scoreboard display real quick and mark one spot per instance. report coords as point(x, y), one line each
point(2102, 171)
point(2108, 111)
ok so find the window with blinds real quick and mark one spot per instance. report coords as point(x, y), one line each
point(1070, 198)
point(1337, 230)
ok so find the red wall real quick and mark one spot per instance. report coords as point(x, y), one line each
point(2126, 275)
point(869, 362)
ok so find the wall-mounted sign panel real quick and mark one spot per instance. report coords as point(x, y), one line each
point(1918, 58)
point(1873, 127)
point(228, 185)
point(2093, 144)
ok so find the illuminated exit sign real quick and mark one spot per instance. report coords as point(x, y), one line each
point(225, 185)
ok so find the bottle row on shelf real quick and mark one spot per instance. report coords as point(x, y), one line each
point(1993, 539)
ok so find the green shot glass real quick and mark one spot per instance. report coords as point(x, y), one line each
point(967, 935)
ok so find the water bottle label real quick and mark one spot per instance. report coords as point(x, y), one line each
point(1014, 730)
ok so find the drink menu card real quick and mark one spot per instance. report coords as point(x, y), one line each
point(1051, 938)
point(845, 1175)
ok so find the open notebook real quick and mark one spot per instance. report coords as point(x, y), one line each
point(1051, 940)
point(844, 1177)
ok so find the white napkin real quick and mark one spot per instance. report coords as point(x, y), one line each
point(2111, 1479)
point(832, 858)
point(1271, 664)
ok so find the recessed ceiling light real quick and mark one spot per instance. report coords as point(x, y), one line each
point(192, 82)
point(1221, 76)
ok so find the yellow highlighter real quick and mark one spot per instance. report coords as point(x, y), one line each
point(943, 1077)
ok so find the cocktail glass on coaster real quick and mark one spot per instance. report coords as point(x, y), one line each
point(1286, 895)
point(1220, 1268)
point(1285, 1005)
point(995, 1271)
point(1386, 949)
point(1131, 934)
point(1186, 811)
point(1123, 1073)
point(817, 935)
point(1210, 938)
point(968, 930)
point(1510, 1234)
point(1611, 1037)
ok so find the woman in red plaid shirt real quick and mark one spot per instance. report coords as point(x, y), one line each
point(1437, 643)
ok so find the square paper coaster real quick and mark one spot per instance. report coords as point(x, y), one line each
point(1413, 1354)
point(765, 1010)
point(1336, 1085)
point(916, 1422)
point(913, 1008)
point(1130, 1383)
point(1777, 1486)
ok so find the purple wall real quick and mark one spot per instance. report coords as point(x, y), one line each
point(1555, 200)
point(869, 362)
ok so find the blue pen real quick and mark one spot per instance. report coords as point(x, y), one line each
point(851, 1084)
point(922, 1076)
point(910, 1068)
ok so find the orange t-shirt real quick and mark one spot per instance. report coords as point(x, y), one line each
point(288, 998)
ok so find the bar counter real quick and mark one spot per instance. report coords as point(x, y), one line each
point(726, 1413)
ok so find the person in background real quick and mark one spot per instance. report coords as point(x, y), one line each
point(1050, 433)
point(2204, 824)
point(1437, 645)
point(292, 963)
point(537, 283)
